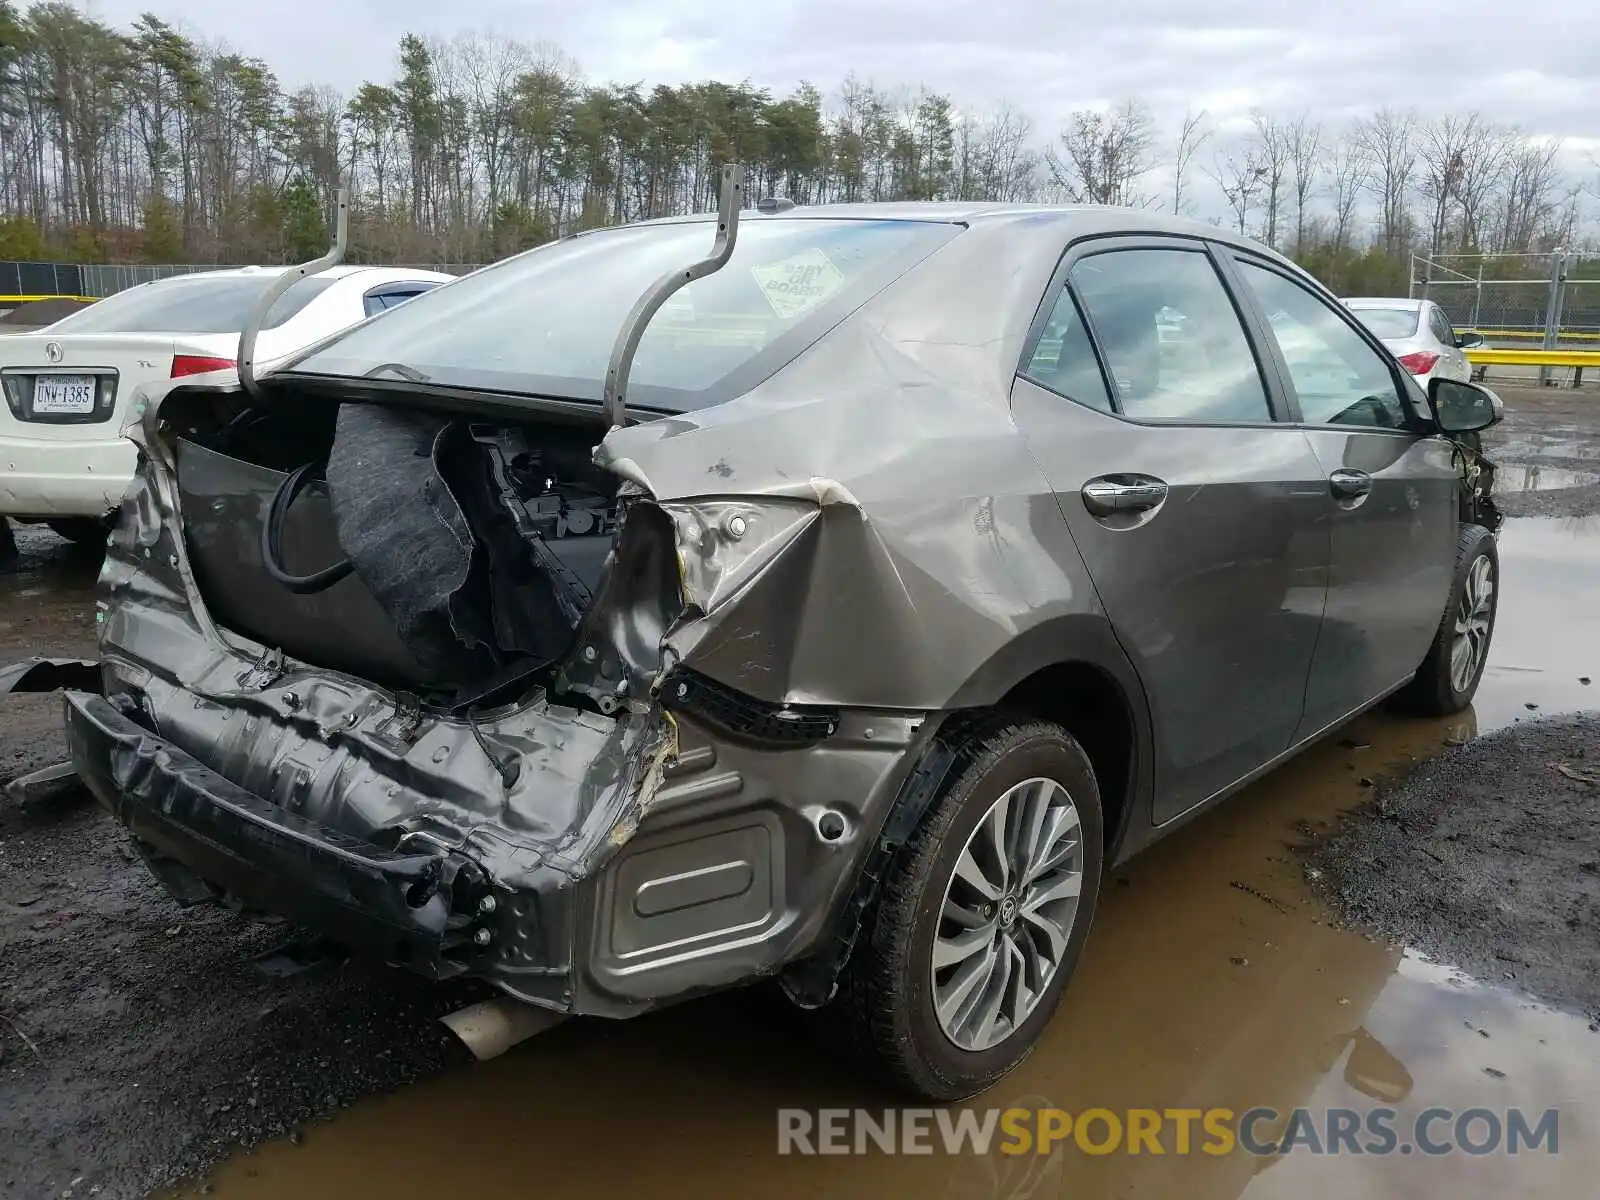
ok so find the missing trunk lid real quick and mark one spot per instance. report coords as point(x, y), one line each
point(473, 547)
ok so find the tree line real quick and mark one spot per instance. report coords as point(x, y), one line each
point(149, 144)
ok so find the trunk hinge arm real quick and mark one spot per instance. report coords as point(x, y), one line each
point(730, 201)
point(247, 336)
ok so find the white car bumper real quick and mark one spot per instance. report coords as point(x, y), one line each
point(63, 479)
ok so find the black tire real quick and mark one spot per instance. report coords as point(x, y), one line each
point(82, 531)
point(885, 999)
point(1432, 691)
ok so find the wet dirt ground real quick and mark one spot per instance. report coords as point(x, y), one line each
point(138, 1047)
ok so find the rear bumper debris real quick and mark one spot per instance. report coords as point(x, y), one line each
point(416, 906)
point(688, 836)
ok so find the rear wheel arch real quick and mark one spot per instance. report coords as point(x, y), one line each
point(1063, 670)
point(1089, 703)
point(1095, 697)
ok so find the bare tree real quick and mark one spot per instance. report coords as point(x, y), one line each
point(1191, 137)
point(1387, 137)
point(1271, 154)
point(1348, 167)
point(1448, 149)
point(1305, 144)
point(1531, 199)
point(1482, 175)
point(1241, 175)
point(994, 158)
point(1104, 155)
point(148, 142)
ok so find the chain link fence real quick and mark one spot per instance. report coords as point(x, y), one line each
point(1516, 300)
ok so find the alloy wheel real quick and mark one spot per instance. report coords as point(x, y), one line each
point(1473, 616)
point(1008, 914)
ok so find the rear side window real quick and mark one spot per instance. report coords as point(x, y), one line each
point(1441, 326)
point(1338, 377)
point(1173, 344)
point(1063, 359)
point(193, 304)
point(391, 295)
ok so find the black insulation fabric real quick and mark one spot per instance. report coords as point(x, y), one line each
point(427, 530)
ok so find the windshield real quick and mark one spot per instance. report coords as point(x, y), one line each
point(192, 304)
point(544, 323)
point(1389, 323)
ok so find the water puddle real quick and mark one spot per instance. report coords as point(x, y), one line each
point(1547, 629)
point(1212, 979)
point(1532, 477)
point(1554, 441)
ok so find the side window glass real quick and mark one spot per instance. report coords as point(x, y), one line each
point(392, 296)
point(1173, 344)
point(1339, 379)
point(1441, 328)
point(1063, 358)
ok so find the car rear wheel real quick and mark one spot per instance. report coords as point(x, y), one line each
point(1449, 675)
point(982, 916)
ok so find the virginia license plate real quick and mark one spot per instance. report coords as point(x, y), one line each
point(63, 394)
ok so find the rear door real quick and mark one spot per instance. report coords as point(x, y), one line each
point(1391, 500)
point(1201, 518)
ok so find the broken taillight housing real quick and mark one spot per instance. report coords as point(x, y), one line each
point(1419, 362)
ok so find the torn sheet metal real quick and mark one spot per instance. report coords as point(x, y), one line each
point(911, 515)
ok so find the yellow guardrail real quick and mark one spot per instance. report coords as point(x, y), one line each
point(1487, 357)
point(31, 299)
point(1535, 335)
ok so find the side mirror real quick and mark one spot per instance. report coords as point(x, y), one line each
point(1468, 339)
point(1462, 407)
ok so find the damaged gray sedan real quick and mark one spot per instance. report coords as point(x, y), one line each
point(937, 558)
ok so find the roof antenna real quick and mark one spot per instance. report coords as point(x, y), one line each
point(729, 202)
point(286, 280)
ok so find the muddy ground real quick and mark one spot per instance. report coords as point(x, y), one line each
point(1488, 857)
point(141, 1046)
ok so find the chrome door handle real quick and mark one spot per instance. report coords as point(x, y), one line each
point(1103, 497)
point(1349, 485)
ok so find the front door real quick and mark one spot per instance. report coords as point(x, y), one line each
point(1196, 513)
point(1392, 500)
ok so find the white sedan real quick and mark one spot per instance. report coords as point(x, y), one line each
point(63, 460)
point(1419, 334)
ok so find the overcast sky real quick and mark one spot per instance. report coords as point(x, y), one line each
point(1532, 63)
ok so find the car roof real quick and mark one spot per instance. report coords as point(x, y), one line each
point(1399, 302)
point(1071, 220)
